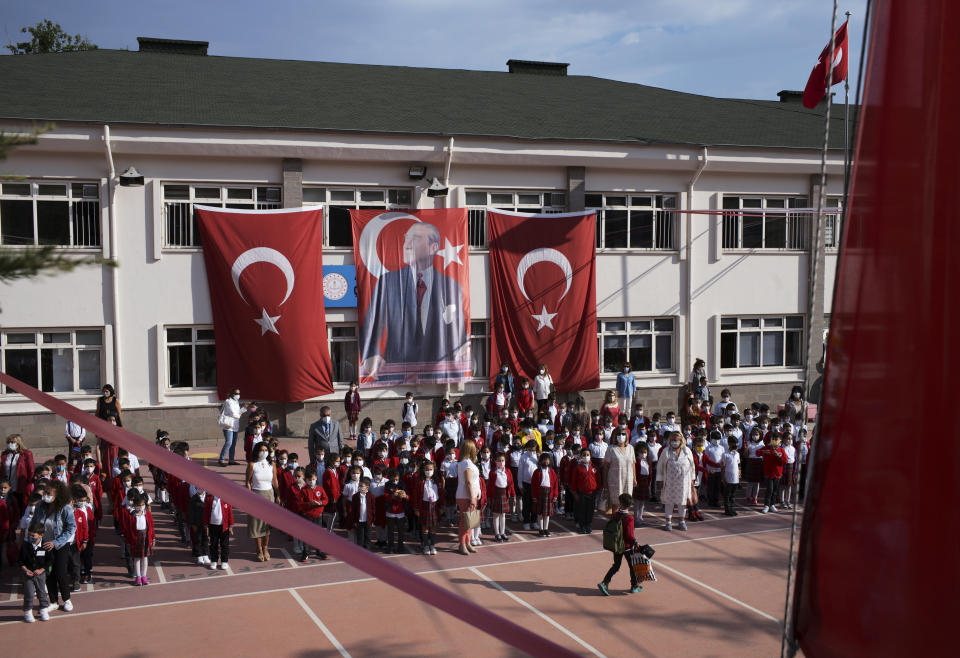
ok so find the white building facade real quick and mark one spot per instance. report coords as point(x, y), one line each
point(671, 286)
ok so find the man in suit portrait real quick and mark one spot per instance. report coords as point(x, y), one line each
point(419, 308)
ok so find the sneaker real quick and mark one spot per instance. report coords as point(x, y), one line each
point(528, 526)
point(200, 560)
point(773, 508)
point(67, 605)
point(50, 608)
point(634, 590)
point(507, 532)
point(44, 615)
point(28, 616)
point(668, 527)
point(138, 581)
point(603, 589)
point(766, 508)
point(224, 566)
point(212, 566)
point(683, 525)
point(143, 581)
point(546, 533)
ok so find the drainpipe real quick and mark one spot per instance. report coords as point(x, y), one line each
point(446, 175)
point(114, 273)
point(688, 329)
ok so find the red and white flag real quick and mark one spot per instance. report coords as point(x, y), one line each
point(543, 296)
point(265, 272)
point(413, 296)
point(816, 87)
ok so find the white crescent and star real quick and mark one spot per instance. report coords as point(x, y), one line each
point(266, 321)
point(544, 255)
point(371, 232)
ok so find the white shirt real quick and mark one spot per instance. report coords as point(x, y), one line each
point(350, 488)
point(75, 431)
point(544, 477)
point(231, 410)
point(752, 449)
point(791, 453)
point(715, 453)
point(141, 521)
point(468, 473)
point(666, 429)
point(365, 441)
point(731, 460)
point(653, 451)
point(376, 488)
point(134, 464)
point(515, 457)
point(363, 509)
point(644, 467)
point(501, 479)
point(452, 429)
point(528, 464)
point(425, 304)
point(449, 468)
point(541, 386)
point(429, 491)
point(410, 413)
point(597, 450)
point(262, 477)
point(721, 407)
point(216, 512)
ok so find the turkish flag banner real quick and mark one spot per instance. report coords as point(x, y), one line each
point(543, 296)
point(413, 296)
point(816, 87)
point(265, 272)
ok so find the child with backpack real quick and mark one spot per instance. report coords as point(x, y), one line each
point(618, 538)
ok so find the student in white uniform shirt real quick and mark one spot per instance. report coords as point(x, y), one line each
point(670, 425)
point(720, 408)
point(408, 412)
point(134, 462)
point(731, 476)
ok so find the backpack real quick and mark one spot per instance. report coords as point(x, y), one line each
point(613, 534)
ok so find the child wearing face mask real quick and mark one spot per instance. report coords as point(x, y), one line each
point(753, 465)
point(199, 541)
point(366, 438)
point(361, 513)
point(331, 487)
point(585, 482)
point(378, 486)
point(545, 488)
point(525, 399)
point(312, 503)
point(294, 499)
point(382, 458)
point(496, 401)
point(713, 462)
point(641, 490)
point(139, 537)
point(92, 480)
point(218, 519)
point(626, 387)
point(789, 479)
point(395, 501)
point(60, 469)
point(502, 497)
point(160, 492)
point(426, 505)
point(80, 547)
point(409, 410)
point(448, 470)
point(352, 407)
point(133, 464)
point(33, 561)
point(287, 463)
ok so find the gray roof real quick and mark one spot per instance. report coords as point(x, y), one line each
point(128, 87)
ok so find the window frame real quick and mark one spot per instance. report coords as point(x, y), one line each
point(657, 208)
point(355, 339)
point(483, 336)
point(223, 201)
point(358, 203)
point(38, 345)
point(732, 222)
point(477, 231)
point(93, 217)
point(832, 202)
point(193, 343)
point(603, 331)
point(762, 329)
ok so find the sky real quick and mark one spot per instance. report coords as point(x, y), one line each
point(726, 48)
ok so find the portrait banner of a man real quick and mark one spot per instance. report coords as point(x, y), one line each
point(413, 292)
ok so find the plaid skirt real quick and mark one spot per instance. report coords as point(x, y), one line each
point(450, 492)
point(543, 503)
point(641, 492)
point(141, 545)
point(499, 502)
point(353, 416)
point(753, 470)
point(429, 515)
point(789, 477)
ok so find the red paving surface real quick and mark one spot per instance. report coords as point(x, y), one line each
point(720, 590)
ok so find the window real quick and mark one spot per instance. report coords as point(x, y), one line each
point(761, 342)
point(54, 360)
point(831, 223)
point(764, 223)
point(635, 221)
point(191, 357)
point(179, 220)
point(50, 213)
point(480, 348)
point(647, 344)
point(344, 352)
point(338, 202)
point(532, 202)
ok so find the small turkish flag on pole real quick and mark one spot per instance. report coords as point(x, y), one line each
point(816, 87)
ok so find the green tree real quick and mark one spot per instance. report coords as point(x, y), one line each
point(28, 262)
point(49, 37)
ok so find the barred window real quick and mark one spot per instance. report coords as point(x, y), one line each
point(645, 343)
point(532, 202)
point(480, 347)
point(54, 360)
point(180, 220)
point(635, 221)
point(338, 202)
point(761, 342)
point(50, 213)
point(762, 222)
point(191, 357)
point(831, 223)
point(344, 352)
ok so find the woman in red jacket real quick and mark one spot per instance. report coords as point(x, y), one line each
point(17, 465)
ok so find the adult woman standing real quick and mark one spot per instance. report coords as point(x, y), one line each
point(230, 424)
point(796, 405)
point(699, 370)
point(468, 492)
point(619, 465)
point(108, 409)
point(262, 480)
point(542, 384)
point(59, 532)
point(676, 470)
point(626, 387)
point(17, 464)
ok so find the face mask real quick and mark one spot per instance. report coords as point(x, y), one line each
point(748, 418)
point(283, 461)
point(584, 460)
point(139, 489)
point(404, 460)
point(313, 483)
point(407, 433)
point(336, 464)
point(139, 510)
point(359, 462)
point(796, 396)
point(294, 464)
point(542, 371)
point(670, 420)
point(726, 398)
point(353, 388)
point(89, 470)
point(36, 540)
point(263, 456)
point(504, 370)
point(428, 474)
point(126, 485)
point(409, 399)
point(675, 444)
point(549, 444)
point(486, 457)
point(428, 433)
point(703, 425)
point(47, 498)
point(236, 397)
point(355, 477)
point(300, 482)
point(12, 447)
point(326, 419)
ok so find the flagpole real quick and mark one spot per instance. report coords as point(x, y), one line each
point(846, 115)
point(788, 647)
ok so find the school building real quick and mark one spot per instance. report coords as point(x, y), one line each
point(257, 133)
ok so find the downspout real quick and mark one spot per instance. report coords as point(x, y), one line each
point(446, 175)
point(114, 273)
point(688, 329)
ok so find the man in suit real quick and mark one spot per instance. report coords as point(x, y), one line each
point(418, 307)
point(326, 434)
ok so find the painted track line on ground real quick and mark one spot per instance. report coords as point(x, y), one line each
point(370, 579)
point(159, 568)
point(320, 624)
point(532, 609)
point(661, 565)
point(286, 555)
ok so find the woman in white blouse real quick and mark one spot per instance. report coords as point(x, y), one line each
point(261, 478)
point(230, 424)
point(468, 492)
point(542, 384)
point(676, 470)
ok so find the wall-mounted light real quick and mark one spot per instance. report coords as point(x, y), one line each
point(437, 189)
point(417, 172)
point(131, 177)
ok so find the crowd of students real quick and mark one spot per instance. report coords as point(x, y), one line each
point(538, 458)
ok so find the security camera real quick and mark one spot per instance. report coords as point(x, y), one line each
point(437, 189)
point(131, 177)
